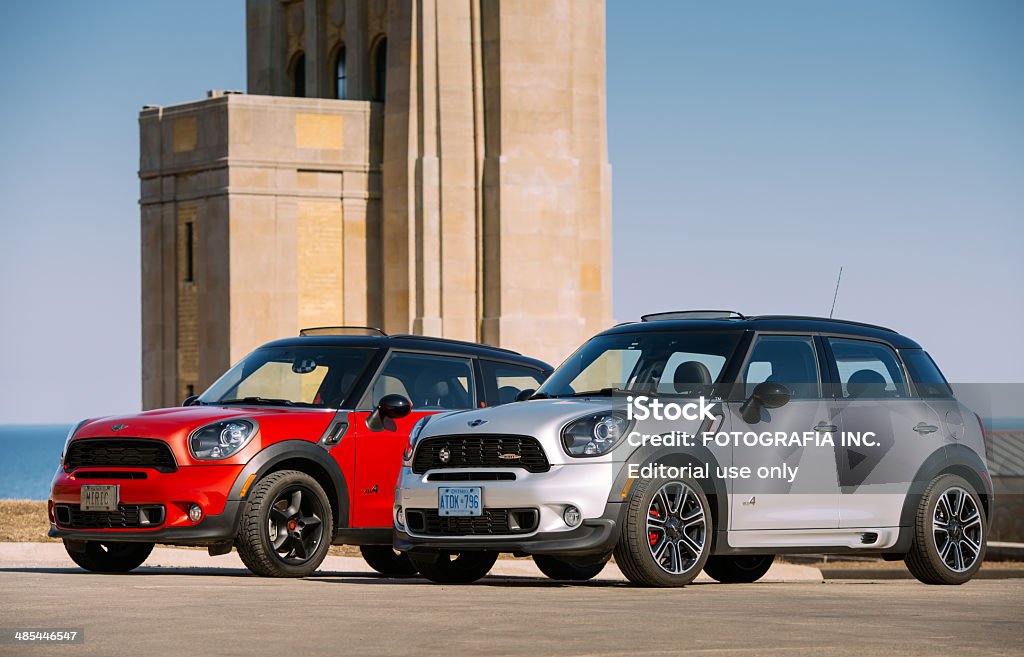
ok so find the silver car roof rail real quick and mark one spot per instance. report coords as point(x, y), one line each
point(341, 330)
point(692, 314)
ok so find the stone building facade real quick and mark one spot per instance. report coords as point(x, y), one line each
point(427, 166)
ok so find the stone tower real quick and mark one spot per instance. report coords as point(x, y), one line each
point(426, 166)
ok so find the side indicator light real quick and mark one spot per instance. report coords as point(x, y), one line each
point(245, 486)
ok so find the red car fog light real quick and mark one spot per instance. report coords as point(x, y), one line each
point(195, 513)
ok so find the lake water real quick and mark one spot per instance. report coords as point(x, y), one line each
point(30, 454)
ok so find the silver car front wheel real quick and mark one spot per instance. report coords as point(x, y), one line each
point(666, 533)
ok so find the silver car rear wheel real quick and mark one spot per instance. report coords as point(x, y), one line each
point(957, 529)
point(950, 528)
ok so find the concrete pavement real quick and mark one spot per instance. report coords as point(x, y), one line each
point(52, 555)
point(213, 611)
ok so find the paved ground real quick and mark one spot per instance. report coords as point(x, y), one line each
point(35, 556)
point(223, 611)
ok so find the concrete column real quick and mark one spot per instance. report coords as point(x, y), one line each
point(317, 83)
point(427, 230)
point(476, 35)
point(280, 81)
point(153, 347)
point(260, 33)
point(456, 149)
point(357, 56)
point(490, 236)
point(399, 170)
point(353, 212)
point(169, 296)
point(213, 285)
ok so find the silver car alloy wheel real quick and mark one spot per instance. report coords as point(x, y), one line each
point(957, 529)
point(676, 527)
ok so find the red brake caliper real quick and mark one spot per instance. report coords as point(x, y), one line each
point(653, 536)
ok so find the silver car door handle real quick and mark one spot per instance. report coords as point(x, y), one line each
point(923, 428)
point(826, 428)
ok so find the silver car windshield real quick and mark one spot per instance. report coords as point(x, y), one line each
point(665, 363)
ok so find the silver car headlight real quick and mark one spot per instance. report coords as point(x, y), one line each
point(221, 439)
point(595, 434)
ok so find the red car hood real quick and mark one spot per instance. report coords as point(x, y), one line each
point(173, 425)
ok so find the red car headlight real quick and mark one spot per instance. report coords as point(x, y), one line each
point(221, 439)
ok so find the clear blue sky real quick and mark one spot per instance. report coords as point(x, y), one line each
point(756, 147)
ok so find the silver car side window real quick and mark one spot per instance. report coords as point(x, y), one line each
point(787, 359)
point(867, 369)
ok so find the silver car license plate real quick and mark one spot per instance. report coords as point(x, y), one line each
point(100, 498)
point(459, 501)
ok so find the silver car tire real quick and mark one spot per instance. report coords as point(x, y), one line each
point(666, 533)
point(950, 533)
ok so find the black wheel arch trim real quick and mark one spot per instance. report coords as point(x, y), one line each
point(669, 456)
point(951, 459)
point(299, 453)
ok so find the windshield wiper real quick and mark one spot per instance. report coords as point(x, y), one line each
point(258, 400)
point(603, 392)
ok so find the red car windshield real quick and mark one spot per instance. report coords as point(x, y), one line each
point(305, 376)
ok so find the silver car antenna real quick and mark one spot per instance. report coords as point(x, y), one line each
point(836, 295)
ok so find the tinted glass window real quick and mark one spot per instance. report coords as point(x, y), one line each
point(380, 71)
point(786, 359)
point(299, 76)
point(928, 380)
point(683, 368)
point(301, 376)
point(430, 382)
point(503, 381)
point(671, 363)
point(340, 75)
point(867, 369)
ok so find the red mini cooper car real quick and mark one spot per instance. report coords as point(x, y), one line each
point(296, 447)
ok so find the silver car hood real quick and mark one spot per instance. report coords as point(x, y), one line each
point(541, 418)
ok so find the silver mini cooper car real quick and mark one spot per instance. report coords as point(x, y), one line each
point(707, 441)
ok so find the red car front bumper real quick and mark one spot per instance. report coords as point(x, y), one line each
point(154, 508)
